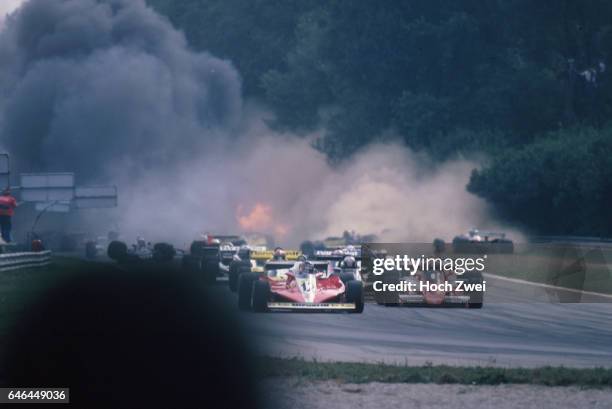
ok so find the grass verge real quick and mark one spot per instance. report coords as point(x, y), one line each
point(366, 372)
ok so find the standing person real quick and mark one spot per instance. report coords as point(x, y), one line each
point(7, 209)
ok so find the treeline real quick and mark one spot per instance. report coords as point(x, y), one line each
point(527, 82)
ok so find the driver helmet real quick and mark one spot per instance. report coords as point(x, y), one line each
point(279, 254)
point(244, 253)
point(349, 262)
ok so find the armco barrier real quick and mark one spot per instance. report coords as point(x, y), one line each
point(15, 261)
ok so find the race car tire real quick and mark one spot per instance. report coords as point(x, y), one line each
point(192, 264)
point(439, 246)
point(163, 252)
point(245, 290)
point(211, 270)
point(235, 269)
point(346, 277)
point(354, 294)
point(117, 250)
point(90, 250)
point(261, 295)
point(233, 279)
point(476, 297)
point(197, 247)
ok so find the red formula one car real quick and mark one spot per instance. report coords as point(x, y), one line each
point(298, 286)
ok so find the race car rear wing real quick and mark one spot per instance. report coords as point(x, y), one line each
point(268, 254)
point(336, 255)
point(284, 264)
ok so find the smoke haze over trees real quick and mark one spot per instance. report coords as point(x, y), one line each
point(527, 83)
point(110, 90)
point(522, 89)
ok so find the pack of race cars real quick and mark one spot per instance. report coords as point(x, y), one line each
point(327, 279)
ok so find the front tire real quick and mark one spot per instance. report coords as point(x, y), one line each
point(354, 294)
point(233, 277)
point(346, 277)
point(261, 295)
point(235, 269)
point(245, 290)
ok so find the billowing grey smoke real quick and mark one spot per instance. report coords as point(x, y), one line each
point(88, 84)
point(110, 90)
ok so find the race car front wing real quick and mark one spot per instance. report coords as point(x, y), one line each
point(420, 299)
point(310, 306)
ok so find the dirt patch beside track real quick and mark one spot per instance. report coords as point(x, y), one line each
point(300, 394)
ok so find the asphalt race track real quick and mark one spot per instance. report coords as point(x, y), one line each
point(511, 330)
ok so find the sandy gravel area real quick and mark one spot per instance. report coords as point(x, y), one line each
point(297, 394)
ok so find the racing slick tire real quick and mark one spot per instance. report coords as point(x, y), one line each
point(192, 264)
point(354, 294)
point(163, 252)
point(346, 277)
point(439, 246)
point(245, 290)
point(232, 276)
point(90, 250)
point(476, 297)
point(210, 267)
point(235, 269)
point(261, 295)
point(117, 250)
point(197, 248)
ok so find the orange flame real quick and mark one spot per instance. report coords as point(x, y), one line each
point(260, 219)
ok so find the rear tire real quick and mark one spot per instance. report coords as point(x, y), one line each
point(354, 294)
point(233, 278)
point(476, 297)
point(192, 264)
point(211, 270)
point(235, 269)
point(261, 295)
point(245, 290)
point(197, 248)
point(163, 252)
point(117, 250)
